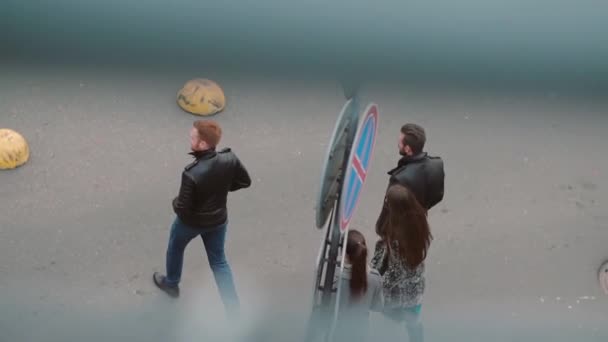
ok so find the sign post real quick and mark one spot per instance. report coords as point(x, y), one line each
point(344, 171)
point(358, 166)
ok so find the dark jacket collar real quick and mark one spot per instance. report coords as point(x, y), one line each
point(198, 155)
point(411, 159)
point(408, 160)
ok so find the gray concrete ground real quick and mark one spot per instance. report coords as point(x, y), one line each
point(518, 237)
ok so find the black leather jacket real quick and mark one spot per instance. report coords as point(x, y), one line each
point(423, 175)
point(203, 193)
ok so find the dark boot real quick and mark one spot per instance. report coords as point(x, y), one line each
point(159, 281)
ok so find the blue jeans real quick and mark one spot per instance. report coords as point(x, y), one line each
point(411, 317)
point(214, 240)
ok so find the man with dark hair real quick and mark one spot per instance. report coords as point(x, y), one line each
point(201, 210)
point(420, 172)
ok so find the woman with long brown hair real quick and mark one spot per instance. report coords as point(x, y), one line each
point(405, 238)
point(360, 292)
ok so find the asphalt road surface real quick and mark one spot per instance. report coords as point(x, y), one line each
point(518, 238)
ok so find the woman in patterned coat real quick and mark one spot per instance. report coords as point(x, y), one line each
point(405, 238)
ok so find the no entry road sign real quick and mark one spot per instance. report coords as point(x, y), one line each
point(358, 165)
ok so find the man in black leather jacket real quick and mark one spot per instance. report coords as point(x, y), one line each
point(201, 210)
point(421, 173)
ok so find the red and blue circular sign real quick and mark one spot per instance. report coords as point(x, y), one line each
point(358, 165)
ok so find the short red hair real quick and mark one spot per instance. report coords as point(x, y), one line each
point(209, 131)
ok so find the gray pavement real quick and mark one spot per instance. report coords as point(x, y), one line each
point(518, 237)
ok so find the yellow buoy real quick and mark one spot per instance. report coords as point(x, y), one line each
point(14, 150)
point(201, 97)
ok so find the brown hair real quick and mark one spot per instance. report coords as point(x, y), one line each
point(209, 131)
point(414, 136)
point(406, 223)
point(357, 254)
